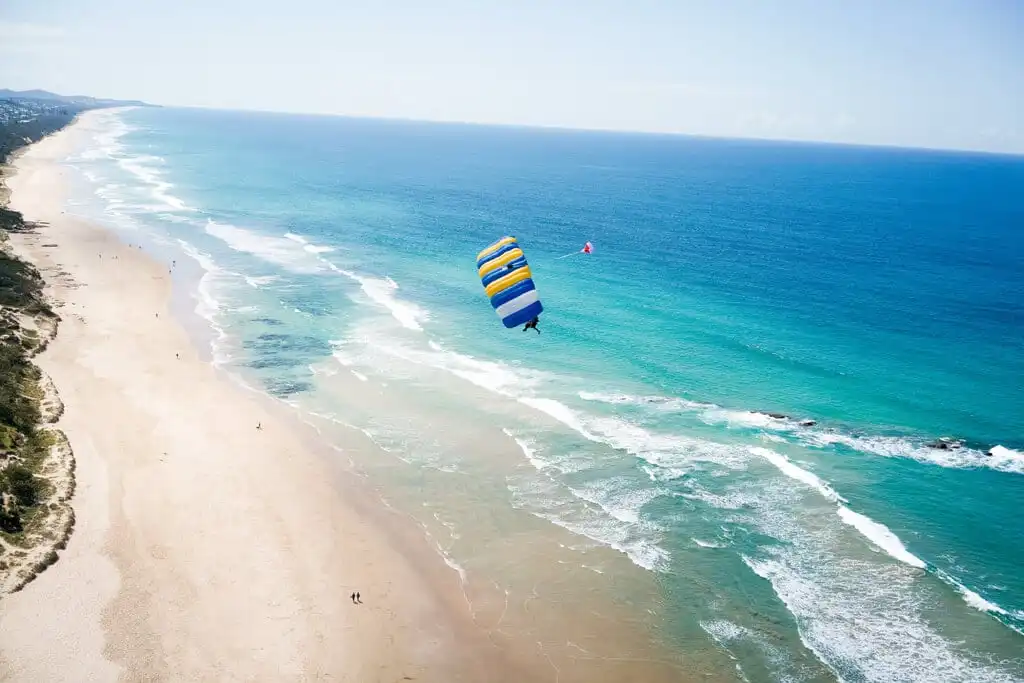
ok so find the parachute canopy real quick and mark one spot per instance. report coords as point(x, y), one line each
point(588, 248)
point(508, 282)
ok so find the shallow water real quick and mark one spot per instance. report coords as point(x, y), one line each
point(621, 468)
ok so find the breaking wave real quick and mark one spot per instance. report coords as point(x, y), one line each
point(806, 431)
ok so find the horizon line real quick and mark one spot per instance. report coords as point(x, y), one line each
point(592, 129)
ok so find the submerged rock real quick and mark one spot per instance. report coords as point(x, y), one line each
point(946, 444)
point(778, 416)
point(808, 423)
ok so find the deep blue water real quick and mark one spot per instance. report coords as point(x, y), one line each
point(877, 292)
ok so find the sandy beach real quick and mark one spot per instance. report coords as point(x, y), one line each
point(205, 548)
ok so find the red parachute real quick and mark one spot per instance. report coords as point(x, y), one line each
point(588, 248)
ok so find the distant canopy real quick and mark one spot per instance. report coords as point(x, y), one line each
point(508, 282)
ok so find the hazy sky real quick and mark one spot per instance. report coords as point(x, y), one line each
point(933, 73)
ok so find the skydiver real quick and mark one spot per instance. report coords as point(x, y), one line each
point(532, 325)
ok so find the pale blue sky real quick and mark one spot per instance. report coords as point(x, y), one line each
point(932, 73)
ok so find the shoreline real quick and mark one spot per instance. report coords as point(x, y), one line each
point(201, 540)
point(34, 531)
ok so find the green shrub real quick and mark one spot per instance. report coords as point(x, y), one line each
point(10, 520)
point(23, 485)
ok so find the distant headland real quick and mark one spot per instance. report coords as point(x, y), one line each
point(79, 101)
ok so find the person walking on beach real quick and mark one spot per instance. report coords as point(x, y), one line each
point(359, 598)
point(353, 596)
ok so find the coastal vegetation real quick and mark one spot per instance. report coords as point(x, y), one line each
point(36, 463)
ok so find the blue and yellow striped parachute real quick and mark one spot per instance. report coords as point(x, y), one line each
point(508, 282)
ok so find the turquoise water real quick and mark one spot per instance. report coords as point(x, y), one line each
point(877, 293)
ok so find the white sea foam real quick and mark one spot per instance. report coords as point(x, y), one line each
point(545, 498)
point(864, 623)
point(1003, 460)
point(880, 535)
point(707, 544)
point(528, 449)
point(381, 291)
point(306, 245)
point(144, 167)
point(106, 138)
point(663, 403)
point(566, 463)
point(173, 218)
point(260, 281)
point(560, 412)
point(443, 551)
point(277, 250)
point(979, 603)
point(620, 497)
point(731, 500)
point(207, 305)
point(707, 412)
point(724, 631)
point(452, 564)
point(786, 466)
point(672, 452)
point(745, 419)
point(417, 449)
point(861, 616)
point(998, 458)
point(494, 376)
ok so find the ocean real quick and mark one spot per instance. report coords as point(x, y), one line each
point(717, 457)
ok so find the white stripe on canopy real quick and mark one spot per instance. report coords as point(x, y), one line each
point(517, 304)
